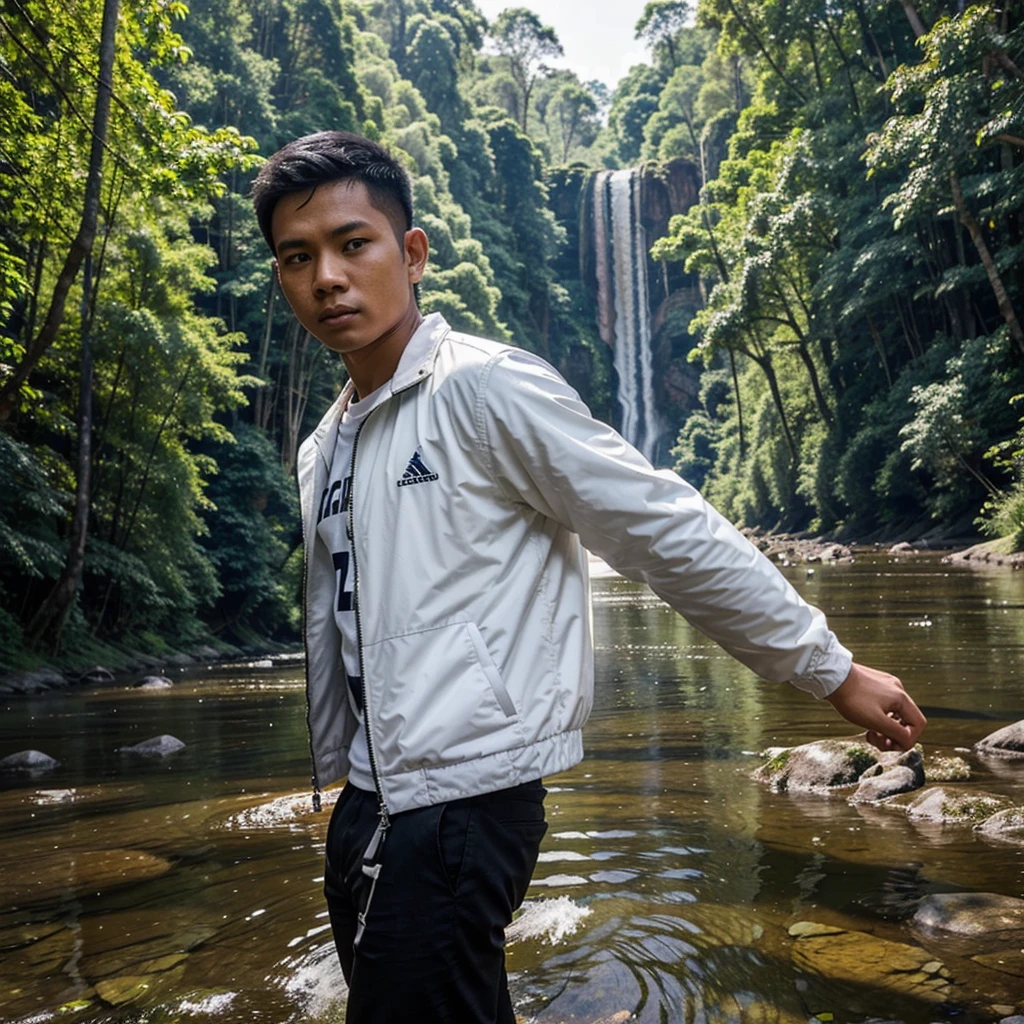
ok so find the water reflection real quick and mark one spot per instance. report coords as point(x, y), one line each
point(189, 887)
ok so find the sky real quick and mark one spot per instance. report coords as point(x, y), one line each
point(597, 35)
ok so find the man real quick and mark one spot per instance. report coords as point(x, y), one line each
point(447, 497)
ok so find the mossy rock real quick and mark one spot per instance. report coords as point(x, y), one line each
point(956, 807)
point(818, 767)
point(1007, 824)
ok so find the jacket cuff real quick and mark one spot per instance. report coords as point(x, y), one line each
point(827, 671)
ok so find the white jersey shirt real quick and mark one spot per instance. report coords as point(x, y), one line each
point(332, 532)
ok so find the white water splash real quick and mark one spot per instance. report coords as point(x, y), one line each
point(293, 812)
point(547, 920)
point(212, 1004)
point(315, 980)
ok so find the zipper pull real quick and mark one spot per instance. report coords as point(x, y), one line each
point(317, 802)
point(372, 851)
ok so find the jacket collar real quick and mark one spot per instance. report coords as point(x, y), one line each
point(416, 364)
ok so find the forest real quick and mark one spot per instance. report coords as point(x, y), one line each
point(857, 251)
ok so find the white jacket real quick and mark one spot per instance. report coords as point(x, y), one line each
point(471, 578)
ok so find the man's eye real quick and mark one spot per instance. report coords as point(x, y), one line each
point(296, 257)
point(354, 243)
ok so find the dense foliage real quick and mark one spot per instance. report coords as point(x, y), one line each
point(861, 250)
point(858, 244)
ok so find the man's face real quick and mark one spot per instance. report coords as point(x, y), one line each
point(341, 267)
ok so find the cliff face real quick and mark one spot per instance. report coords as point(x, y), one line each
point(667, 189)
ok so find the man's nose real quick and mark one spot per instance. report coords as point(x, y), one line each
point(331, 273)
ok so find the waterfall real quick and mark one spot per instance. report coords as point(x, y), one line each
point(623, 303)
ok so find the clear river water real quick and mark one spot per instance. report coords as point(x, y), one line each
point(188, 889)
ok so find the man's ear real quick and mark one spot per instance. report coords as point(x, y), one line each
point(417, 251)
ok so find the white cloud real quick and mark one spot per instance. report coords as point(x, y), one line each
point(597, 37)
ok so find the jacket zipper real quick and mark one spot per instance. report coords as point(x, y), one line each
point(385, 820)
point(314, 778)
point(382, 808)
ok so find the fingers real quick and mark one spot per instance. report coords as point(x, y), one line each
point(900, 727)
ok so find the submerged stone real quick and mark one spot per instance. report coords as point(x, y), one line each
point(28, 761)
point(867, 961)
point(119, 991)
point(155, 746)
point(970, 913)
point(78, 872)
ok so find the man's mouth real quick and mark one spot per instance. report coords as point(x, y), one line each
point(337, 315)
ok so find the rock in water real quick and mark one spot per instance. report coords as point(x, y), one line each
point(28, 761)
point(970, 913)
point(953, 807)
point(818, 767)
point(154, 683)
point(1006, 742)
point(155, 746)
point(873, 788)
point(96, 674)
point(38, 681)
point(1008, 825)
point(858, 959)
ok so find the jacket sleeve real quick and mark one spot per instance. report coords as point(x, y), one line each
point(546, 450)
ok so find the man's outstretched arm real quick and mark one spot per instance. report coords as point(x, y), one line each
point(877, 701)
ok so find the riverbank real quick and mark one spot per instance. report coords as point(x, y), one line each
point(107, 663)
point(992, 553)
point(796, 548)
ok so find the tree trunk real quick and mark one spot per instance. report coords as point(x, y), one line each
point(995, 279)
point(261, 412)
point(914, 18)
point(82, 245)
point(764, 52)
point(50, 618)
point(765, 362)
point(819, 395)
point(140, 494)
point(739, 402)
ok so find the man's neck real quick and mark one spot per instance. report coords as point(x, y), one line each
point(375, 364)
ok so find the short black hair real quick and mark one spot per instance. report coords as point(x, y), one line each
point(318, 159)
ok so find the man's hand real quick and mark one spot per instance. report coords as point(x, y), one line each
point(878, 702)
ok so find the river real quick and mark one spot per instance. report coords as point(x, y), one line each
point(188, 889)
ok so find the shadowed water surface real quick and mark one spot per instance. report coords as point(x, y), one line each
point(189, 888)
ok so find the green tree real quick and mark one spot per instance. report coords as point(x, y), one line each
point(659, 24)
point(520, 36)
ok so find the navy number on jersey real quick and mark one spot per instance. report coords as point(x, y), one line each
point(341, 561)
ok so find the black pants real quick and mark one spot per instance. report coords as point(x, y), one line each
point(451, 877)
